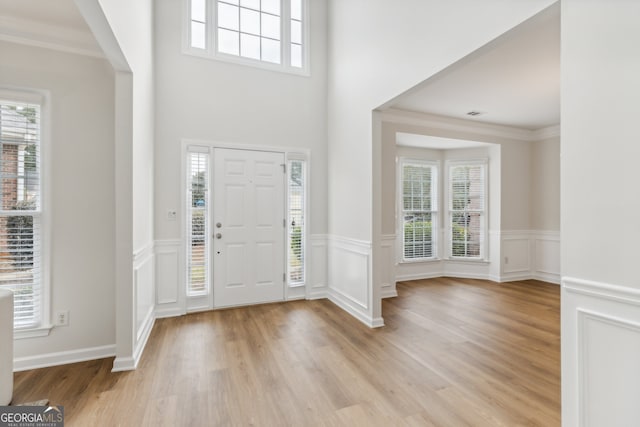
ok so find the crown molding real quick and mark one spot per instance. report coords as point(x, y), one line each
point(47, 36)
point(547, 133)
point(444, 123)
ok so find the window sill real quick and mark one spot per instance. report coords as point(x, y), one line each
point(254, 63)
point(419, 261)
point(468, 260)
point(42, 331)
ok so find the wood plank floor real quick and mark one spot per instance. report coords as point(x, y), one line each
point(454, 352)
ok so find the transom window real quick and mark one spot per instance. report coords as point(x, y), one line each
point(419, 209)
point(269, 32)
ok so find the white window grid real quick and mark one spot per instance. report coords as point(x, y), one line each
point(21, 267)
point(467, 199)
point(215, 29)
point(418, 209)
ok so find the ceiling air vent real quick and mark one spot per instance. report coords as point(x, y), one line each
point(474, 113)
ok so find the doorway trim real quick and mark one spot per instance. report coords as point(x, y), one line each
point(290, 153)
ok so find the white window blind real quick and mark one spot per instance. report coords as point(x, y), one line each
point(419, 209)
point(297, 176)
point(197, 223)
point(20, 213)
point(467, 188)
point(266, 31)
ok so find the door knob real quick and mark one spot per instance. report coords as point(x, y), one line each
point(219, 236)
point(218, 225)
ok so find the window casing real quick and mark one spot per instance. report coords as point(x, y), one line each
point(270, 34)
point(418, 209)
point(467, 190)
point(296, 220)
point(21, 219)
point(197, 220)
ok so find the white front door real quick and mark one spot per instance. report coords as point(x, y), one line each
point(248, 227)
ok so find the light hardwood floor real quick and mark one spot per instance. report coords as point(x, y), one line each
point(454, 352)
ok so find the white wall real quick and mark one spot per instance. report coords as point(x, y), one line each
point(132, 26)
point(545, 184)
point(516, 186)
point(81, 190)
point(599, 205)
point(209, 100)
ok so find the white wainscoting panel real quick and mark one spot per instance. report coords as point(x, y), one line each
point(419, 270)
point(143, 272)
point(466, 269)
point(600, 354)
point(144, 305)
point(494, 256)
point(547, 256)
point(530, 254)
point(388, 267)
point(513, 255)
point(295, 293)
point(170, 296)
point(63, 357)
point(317, 274)
point(349, 277)
point(516, 255)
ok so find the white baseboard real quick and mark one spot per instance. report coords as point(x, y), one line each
point(514, 277)
point(121, 364)
point(347, 304)
point(315, 294)
point(547, 277)
point(418, 276)
point(388, 292)
point(63, 357)
point(131, 363)
point(162, 312)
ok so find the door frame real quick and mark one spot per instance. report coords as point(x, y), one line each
point(205, 303)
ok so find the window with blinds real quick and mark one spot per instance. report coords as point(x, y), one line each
point(20, 214)
point(197, 223)
point(267, 31)
point(419, 209)
point(297, 177)
point(467, 202)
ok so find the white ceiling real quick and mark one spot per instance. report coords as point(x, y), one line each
point(54, 24)
point(60, 13)
point(514, 80)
